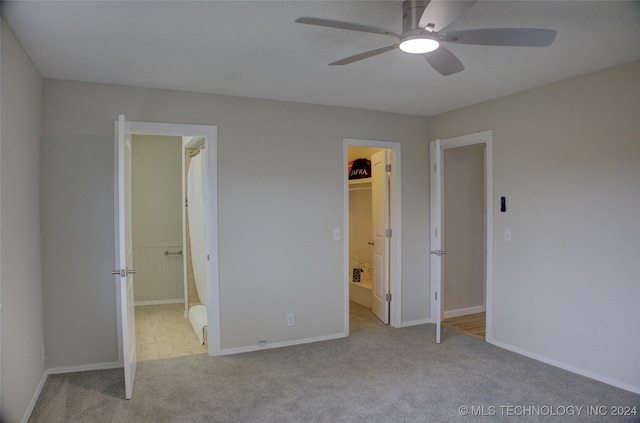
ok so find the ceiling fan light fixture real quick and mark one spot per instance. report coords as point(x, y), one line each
point(419, 45)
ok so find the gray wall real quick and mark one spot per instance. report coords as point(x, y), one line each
point(22, 331)
point(280, 173)
point(156, 207)
point(567, 157)
point(156, 173)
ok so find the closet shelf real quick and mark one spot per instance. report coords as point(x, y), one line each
point(359, 181)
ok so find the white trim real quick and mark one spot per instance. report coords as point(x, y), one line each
point(83, 368)
point(485, 137)
point(415, 323)
point(210, 134)
point(183, 212)
point(34, 399)
point(463, 311)
point(239, 350)
point(159, 302)
point(395, 216)
point(568, 367)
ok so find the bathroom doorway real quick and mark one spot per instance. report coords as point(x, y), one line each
point(124, 130)
point(159, 251)
point(372, 228)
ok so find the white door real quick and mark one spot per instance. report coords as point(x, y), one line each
point(124, 266)
point(380, 217)
point(435, 157)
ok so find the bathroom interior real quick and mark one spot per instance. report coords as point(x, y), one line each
point(168, 175)
point(360, 226)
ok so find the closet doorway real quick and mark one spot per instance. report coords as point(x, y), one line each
point(372, 228)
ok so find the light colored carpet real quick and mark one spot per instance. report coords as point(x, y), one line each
point(378, 374)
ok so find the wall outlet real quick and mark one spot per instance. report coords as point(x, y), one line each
point(290, 320)
point(44, 355)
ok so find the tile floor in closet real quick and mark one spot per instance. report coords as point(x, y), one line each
point(162, 331)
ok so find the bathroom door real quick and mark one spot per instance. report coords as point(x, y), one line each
point(380, 217)
point(124, 254)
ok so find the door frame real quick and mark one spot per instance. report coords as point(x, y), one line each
point(210, 134)
point(485, 138)
point(395, 218)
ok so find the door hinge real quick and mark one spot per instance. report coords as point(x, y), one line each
point(388, 168)
point(389, 233)
point(388, 297)
point(435, 168)
point(436, 295)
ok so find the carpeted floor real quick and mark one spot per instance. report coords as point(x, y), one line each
point(378, 374)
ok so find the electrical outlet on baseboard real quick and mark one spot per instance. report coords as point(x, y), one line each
point(291, 320)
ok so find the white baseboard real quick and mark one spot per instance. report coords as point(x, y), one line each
point(463, 311)
point(229, 351)
point(83, 368)
point(159, 302)
point(414, 323)
point(568, 367)
point(34, 399)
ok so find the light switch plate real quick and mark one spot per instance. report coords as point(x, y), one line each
point(336, 234)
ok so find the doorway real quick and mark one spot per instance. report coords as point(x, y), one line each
point(464, 232)
point(372, 235)
point(461, 233)
point(159, 251)
point(124, 274)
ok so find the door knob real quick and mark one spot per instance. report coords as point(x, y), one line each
point(371, 243)
point(123, 272)
point(438, 252)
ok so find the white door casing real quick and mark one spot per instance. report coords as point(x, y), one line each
point(435, 169)
point(124, 255)
point(380, 219)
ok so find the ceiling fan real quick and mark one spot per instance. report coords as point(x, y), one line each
point(422, 25)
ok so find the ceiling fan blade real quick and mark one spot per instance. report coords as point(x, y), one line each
point(515, 37)
point(444, 62)
point(439, 14)
point(364, 55)
point(346, 25)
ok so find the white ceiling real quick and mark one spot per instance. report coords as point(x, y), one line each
point(255, 49)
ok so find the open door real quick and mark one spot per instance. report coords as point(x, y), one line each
point(435, 166)
point(124, 254)
point(380, 217)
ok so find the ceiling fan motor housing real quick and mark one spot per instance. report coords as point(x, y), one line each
point(412, 11)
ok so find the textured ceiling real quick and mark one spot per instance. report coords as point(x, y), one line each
point(255, 49)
